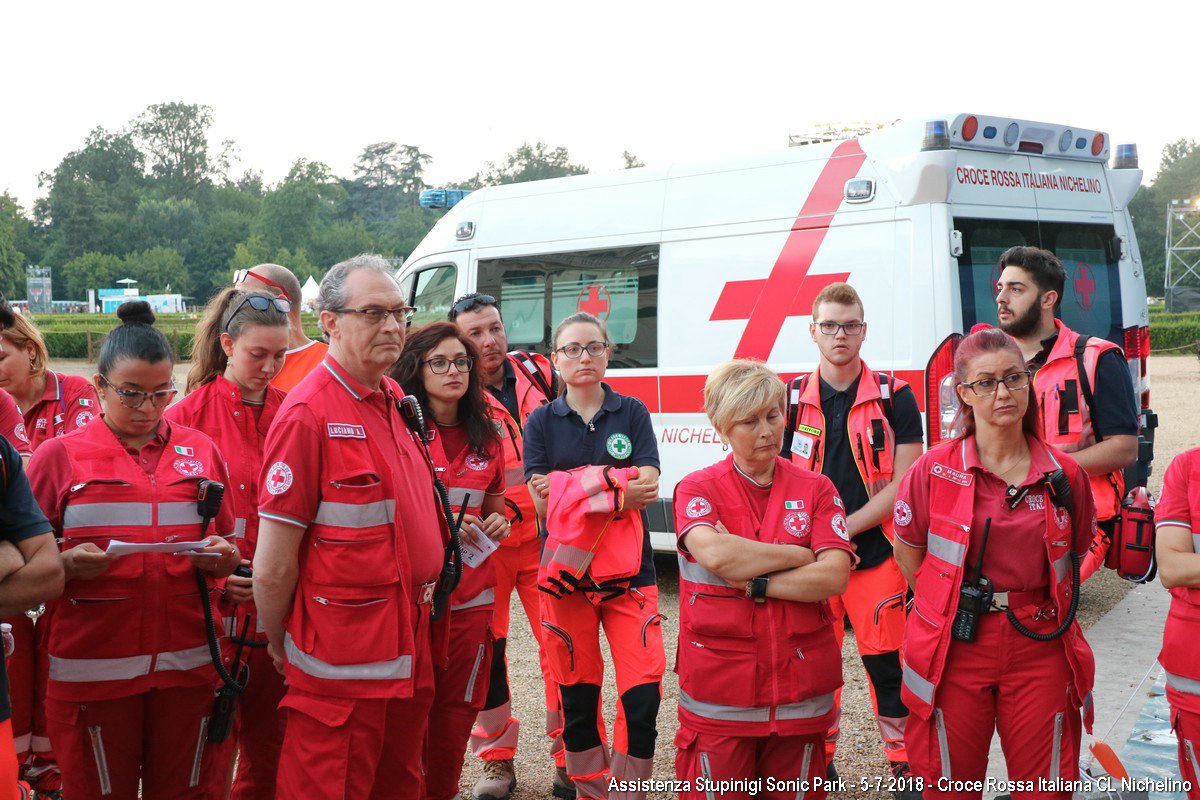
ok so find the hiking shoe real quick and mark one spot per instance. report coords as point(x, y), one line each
point(498, 781)
point(902, 774)
point(563, 787)
point(831, 773)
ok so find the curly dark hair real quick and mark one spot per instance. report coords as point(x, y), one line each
point(472, 408)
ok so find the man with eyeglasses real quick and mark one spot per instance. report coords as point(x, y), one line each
point(350, 547)
point(303, 354)
point(1082, 383)
point(516, 384)
point(861, 429)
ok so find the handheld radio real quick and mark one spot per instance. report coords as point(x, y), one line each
point(974, 597)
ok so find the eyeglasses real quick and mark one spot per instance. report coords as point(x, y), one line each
point(986, 387)
point(850, 328)
point(241, 275)
point(131, 398)
point(376, 316)
point(440, 366)
point(594, 349)
point(471, 303)
point(260, 302)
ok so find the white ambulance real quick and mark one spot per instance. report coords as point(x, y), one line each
point(694, 264)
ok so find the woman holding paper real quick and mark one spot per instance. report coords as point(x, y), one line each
point(240, 346)
point(130, 678)
point(437, 368)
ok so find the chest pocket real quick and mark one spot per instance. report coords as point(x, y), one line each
point(98, 511)
point(352, 542)
point(1062, 412)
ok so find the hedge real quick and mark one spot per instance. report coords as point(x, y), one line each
point(1178, 337)
point(86, 344)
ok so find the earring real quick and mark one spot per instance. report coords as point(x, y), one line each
point(725, 446)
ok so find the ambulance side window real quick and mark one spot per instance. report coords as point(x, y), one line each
point(618, 285)
point(1091, 301)
point(431, 293)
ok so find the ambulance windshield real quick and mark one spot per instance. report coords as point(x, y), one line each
point(1092, 297)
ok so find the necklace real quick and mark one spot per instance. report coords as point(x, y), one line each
point(1011, 467)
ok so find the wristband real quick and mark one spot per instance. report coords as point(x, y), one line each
point(756, 589)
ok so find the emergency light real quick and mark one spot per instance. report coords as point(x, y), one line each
point(936, 137)
point(1000, 135)
point(1126, 157)
point(441, 198)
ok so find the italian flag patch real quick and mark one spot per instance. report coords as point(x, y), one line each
point(83, 401)
point(793, 505)
point(184, 451)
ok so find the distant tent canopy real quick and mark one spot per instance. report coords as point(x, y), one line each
point(308, 293)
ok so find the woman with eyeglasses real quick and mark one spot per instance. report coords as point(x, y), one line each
point(989, 530)
point(438, 368)
point(240, 346)
point(131, 680)
point(38, 404)
point(589, 424)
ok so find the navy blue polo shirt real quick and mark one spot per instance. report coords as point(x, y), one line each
point(620, 435)
point(20, 519)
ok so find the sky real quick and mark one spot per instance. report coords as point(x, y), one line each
point(468, 81)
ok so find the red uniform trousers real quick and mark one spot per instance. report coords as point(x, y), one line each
point(8, 764)
point(42, 767)
point(571, 641)
point(494, 736)
point(461, 684)
point(361, 748)
point(1006, 681)
point(258, 729)
point(705, 759)
point(874, 601)
point(1187, 731)
point(22, 676)
point(159, 737)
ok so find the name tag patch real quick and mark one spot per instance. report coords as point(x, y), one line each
point(342, 430)
point(952, 475)
point(809, 429)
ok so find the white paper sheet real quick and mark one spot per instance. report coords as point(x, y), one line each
point(118, 548)
point(473, 555)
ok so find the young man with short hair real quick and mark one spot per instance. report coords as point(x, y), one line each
point(861, 429)
point(1083, 386)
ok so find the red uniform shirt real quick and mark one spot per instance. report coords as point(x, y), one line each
point(1015, 556)
point(298, 363)
point(454, 442)
point(822, 521)
point(12, 426)
point(240, 431)
point(1179, 505)
point(297, 440)
point(69, 402)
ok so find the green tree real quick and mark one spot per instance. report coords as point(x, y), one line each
point(631, 161)
point(12, 260)
point(175, 138)
point(158, 270)
point(91, 271)
point(532, 163)
point(291, 213)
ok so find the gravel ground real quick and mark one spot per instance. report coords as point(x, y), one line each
point(859, 752)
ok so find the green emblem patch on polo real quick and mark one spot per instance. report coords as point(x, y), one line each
point(619, 446)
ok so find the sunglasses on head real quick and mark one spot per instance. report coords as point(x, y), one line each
point(260, 302)
point(472, 303)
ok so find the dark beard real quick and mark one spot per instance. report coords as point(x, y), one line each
point(1024, 325)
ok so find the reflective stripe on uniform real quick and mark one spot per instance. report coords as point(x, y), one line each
point(239, 528)
point(1181, 684)
point(567, 555)
point(949, 551)
point(1061, 565)
point(355, 515)
point(395, 669)
point(96, 515)
point(692, 571)
point(805, 709)
point(80, 670)
point(460, 496)
point(482, 599)
point(178, 514)
point(918, 685)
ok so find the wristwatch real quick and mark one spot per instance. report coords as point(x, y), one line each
point(756, 589)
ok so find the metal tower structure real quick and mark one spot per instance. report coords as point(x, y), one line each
point(1181, 283)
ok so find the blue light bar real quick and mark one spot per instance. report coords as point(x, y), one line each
point(1127, 157)
point(441, 198)
point(937, 135)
